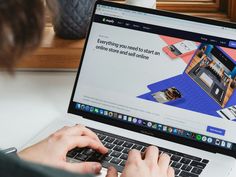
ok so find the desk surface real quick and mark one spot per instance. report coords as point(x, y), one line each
point(30, 101)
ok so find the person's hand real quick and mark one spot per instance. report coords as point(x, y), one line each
point(150, 164)
point(52, 151)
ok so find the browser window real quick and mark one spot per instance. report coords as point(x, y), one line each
point(175, 76)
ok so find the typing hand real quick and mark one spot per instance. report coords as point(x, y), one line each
point(52, 151)
point(150, 165)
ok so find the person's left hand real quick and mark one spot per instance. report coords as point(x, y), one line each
point(52, 151)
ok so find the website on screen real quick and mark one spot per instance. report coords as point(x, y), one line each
point(160, 69)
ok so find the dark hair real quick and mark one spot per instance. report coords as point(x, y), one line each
point(21, 28)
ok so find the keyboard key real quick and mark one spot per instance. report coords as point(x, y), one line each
point(177, 171)
point(127, 145)
point(186, 167)
point(169, 152)
point(107, 158)
point(118, 148)
point(109, 145)
point(185, 161)
point(81, 157)
point(71, 154)
point(187, 174)
point(101, 137)
point(196, 171)
point(122, 163)
point(175, 158)
point(109, 139)
point(198, 164)
point(115, 154)
point(115, 161)
point(138, 147)
point(191, 157)
point(124, 156)
point(205, 161)
point(176, 165)
point(88, 152)
point(165, 150)
point(144, 149)
point(118, 142)
point(109, 151)
point(126, 151)
point(78, 150)
point(96, 157)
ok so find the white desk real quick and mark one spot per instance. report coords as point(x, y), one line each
point(29, 101)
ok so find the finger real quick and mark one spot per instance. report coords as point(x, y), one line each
point(164, 162)
point(78, 130)
point(83, 141)
point(151, 155)
point(86, 132)
point(112, 172)
point(170, 172)
point(83, 168)
point(134, 156)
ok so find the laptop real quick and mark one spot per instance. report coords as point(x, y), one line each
point(151, 77)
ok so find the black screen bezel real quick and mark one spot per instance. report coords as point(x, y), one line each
point(136, 128)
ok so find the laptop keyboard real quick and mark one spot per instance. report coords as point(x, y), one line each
point(184, 165)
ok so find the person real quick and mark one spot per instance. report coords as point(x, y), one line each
point(21, 29)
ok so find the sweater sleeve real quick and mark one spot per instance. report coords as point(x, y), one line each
point(14, 167)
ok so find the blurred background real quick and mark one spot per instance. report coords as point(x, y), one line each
point(61, 53)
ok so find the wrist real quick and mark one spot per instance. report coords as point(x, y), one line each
point(30, 155)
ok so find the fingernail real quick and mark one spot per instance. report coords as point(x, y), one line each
point(97, 168)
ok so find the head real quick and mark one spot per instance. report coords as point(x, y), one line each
point(21, 28)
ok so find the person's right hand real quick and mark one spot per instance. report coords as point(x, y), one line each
point(150, 165)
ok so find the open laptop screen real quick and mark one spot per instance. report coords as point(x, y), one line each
point(160, 72)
